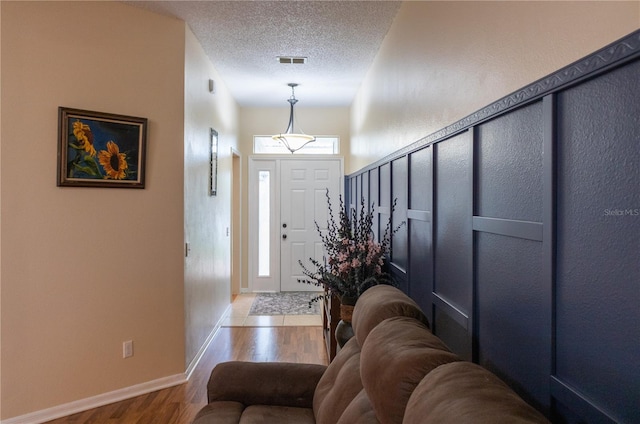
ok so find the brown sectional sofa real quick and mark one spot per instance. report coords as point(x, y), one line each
point(394, 371)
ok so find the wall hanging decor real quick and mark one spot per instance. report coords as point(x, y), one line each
point(97, 149)
point(213, 162)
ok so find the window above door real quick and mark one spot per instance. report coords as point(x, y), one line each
point(324, 145)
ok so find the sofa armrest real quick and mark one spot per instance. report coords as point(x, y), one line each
point(265, 383)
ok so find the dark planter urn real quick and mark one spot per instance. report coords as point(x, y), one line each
point(344, 330)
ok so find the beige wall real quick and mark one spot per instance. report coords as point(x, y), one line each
point(84, 269)
point(268, 121)
point(0, 221)
point(207, 276)
point(442, 61)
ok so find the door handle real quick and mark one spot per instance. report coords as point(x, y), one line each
point(284, 236)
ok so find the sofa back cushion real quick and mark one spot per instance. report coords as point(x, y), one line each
point(379, 303)
point(395, 356)
point(339, 384)
point(466, 393)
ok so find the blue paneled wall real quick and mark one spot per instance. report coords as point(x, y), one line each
point(522, 240)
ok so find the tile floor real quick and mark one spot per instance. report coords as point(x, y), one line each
point(239, 316)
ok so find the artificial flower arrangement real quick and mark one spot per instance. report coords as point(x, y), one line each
point(354, 260)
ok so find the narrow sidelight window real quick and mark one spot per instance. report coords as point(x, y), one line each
point(264, 223)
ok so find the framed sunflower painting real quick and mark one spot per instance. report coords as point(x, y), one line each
point(97, 149)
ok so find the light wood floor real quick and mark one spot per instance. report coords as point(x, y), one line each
point(179, 404)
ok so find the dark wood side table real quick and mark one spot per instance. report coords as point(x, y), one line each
point(330, 318)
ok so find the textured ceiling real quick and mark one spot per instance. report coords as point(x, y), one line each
point(244, 38)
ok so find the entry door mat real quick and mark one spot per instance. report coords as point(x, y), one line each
point(285, 303)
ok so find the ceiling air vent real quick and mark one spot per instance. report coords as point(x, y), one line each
point(292, 60)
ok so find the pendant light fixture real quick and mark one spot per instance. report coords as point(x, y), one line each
point(290, 139)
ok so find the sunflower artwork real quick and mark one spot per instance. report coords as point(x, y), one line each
point(98, 149)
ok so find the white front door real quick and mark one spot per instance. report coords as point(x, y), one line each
point(287, 197)
point(303, 194)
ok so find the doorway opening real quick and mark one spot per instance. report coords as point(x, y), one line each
point(236, 215)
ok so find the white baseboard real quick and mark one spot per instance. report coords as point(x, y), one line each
point(194, 363)
point(59, 411)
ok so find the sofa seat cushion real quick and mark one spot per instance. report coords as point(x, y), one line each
point(220, 413)
point(396, 356)
point(379, 303)
point(339, 384)
point(270, 414)
point(225, 412)
point(359, 411)
point(466, 393)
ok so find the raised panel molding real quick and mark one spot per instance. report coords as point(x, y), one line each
point(579, 403)
point(451, 310)
point(542, 274)
point(509, 227)
point(419, 215)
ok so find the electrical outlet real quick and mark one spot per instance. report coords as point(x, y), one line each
point(127, 349)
